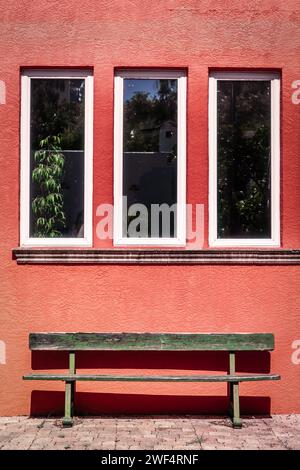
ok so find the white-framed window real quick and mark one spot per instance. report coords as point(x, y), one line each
point(150, 157)
point(244, 159)
point(56, 157)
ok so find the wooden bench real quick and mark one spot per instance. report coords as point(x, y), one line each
point(231, 343)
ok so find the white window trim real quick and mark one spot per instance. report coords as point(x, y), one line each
point(119, 239)
point(214, 241)
point(25, 239)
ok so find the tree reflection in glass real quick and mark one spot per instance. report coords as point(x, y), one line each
point(244, 159)
point(150, 145)
point(57, 158)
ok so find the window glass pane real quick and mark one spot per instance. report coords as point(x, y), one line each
point(57, 158)
point(150, 152)
point(244, 159)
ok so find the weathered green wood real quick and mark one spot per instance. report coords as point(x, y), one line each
point(155, 378)
point(67, 420)
point(231, 371)
point(72, 371)
point(231, 363)
point(236, 419)
point(72, 366)
point(152, 341)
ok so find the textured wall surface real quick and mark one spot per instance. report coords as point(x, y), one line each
point(169, 33)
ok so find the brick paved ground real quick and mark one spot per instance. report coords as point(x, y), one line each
point(151, 432)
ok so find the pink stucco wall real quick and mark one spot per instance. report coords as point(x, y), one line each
point(170, 33)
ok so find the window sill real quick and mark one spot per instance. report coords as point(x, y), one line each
point(155, 256)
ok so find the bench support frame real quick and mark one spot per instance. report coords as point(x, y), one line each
point(231, 343)
point(233, 395)
point(70, 394)
point(232, 392)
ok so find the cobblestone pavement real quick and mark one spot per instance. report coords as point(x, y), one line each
point(151, 432)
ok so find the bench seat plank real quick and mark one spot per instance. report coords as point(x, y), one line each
point(152, 341)
point(154, 378)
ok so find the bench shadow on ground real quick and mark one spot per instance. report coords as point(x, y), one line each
point(49, 402)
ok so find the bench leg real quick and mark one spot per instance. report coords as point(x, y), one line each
point(70, 393)
point(233, 394)
point(234, 404)
point(68, 418)
point(73, 389)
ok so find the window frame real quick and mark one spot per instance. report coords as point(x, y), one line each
point(181, 76)
point(274, 241)
point(54, 73)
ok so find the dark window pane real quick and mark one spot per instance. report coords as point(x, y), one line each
point(57, 158)
point(244, 159)
point(150, 147)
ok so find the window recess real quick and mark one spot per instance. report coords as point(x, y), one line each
point(244, 154)
point(56, 157)
point(149, 155)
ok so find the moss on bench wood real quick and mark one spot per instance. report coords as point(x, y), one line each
point(154, 378)
point(152, 341)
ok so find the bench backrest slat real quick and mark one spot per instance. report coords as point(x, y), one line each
point(152, 341)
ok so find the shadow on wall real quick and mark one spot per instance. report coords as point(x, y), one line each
point(86, 403)
point(45, 403)
point(256, 361)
